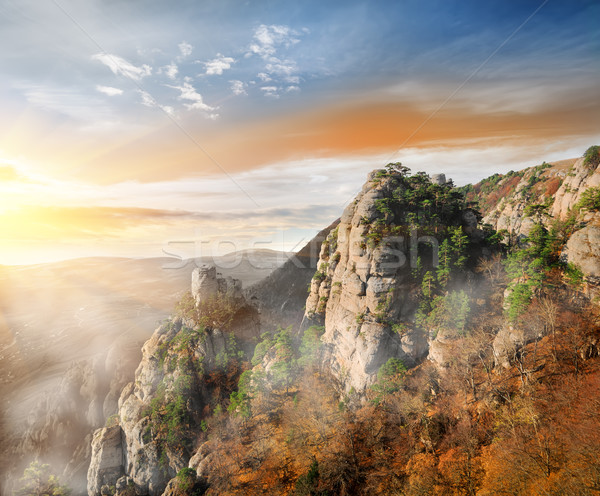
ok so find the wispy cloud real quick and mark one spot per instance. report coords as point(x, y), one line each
point(268, 41)
point(109, 90)
point(270, 91)
point(268, 38)
point(119, 65)
point(171, 70)
point(219, 64)
point(185, 50)
point(189, 93)
point(149, 101)
point(238, 87)
point(9, 173)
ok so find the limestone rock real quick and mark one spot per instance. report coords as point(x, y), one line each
point(363, 289)
point(438, 179)
point(583, 249)
point(107, 459)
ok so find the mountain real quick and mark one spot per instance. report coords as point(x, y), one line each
point(448, 345)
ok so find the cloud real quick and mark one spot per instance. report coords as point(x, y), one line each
point(109, 90)
point(267, 41)
point(189, 93)
point(281, 68)
point(119, 65)
point(238, 87)
point(268, 38)
point(9, 173)
point(68, 101)
point(219, 64)
point(185, 49)
point(271, 91)
point(149, 101)
point(171, 70)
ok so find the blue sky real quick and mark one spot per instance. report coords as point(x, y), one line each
point(127, 104)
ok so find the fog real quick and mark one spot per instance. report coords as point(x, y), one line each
point(71, 336)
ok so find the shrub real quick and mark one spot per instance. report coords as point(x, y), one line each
point(590, 200)
point(592, 157)
point(390, 379)
point(186, 479)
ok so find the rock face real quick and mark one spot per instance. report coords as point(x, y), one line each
point(107, 456)
point(583, 249)
point(170, 378)
point(559, 186)
point(131, 447)
point(364, 293)
point(207, 283)
point(579, 178)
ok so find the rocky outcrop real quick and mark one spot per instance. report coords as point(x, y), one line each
point(364, 292)
point(163, 376)
point(578, 178)
point(107, 456)
point(207, 283)
point(583, 250)
point(171, 377)
point(559, 186)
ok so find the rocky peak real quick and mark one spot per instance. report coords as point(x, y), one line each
point(364, 291)
point(207, 283)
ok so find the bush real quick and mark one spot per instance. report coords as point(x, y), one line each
point(590, 200)
point(38, 481)
point(592, 157)
point(390, 379)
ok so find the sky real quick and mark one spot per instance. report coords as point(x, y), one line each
point(152, 128)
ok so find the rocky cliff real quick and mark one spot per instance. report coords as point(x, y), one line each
point(551, 194)
point(396, 281)
point(184, 363)
point(366, 289)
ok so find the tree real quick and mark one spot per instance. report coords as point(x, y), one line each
point(592, 156)
point(390, 379)
point(239, 401)
point(310, 346)
point(589, 200)
point(38, 481)
point(444, 268)
point(459, 243)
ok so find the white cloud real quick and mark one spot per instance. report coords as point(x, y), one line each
point(292, 88)
point(185, 49)
point(189, 93)
point(149, 101)
point(119, 65)
point(271, 91)
point(268, 38)
point(219, 64)
point(281, 68)
point(170, 70)
point(238, 87)
point(109, 90)
point(264, 77)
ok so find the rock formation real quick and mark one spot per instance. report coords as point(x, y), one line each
point(364, 292)
point(173, 370)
